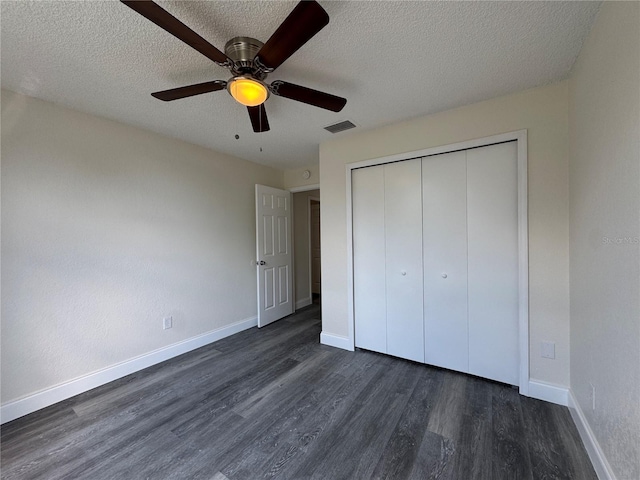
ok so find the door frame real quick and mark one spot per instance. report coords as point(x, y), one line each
point(520, 136)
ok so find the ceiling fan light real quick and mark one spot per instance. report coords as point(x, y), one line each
point(248, 91)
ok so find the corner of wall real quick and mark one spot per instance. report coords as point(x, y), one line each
point(596, 455)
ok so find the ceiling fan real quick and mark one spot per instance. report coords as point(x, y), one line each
point(249, 60)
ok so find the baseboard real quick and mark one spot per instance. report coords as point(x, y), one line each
point(596, 455)
point(45, 398)
point(336, 341)
point(303, 302)
point(548, 392)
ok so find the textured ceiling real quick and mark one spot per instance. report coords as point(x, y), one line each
point(392, 61)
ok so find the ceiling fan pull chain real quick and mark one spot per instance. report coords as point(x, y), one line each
point(237, 124)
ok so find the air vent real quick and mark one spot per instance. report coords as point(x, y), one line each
point(339, 127)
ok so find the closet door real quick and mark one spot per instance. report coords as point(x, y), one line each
point(403, 265)
point(444, 200)
point(492, 211)
point(370, 306)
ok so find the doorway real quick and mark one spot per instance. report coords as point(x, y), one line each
point(314, 249)
point(306, 251)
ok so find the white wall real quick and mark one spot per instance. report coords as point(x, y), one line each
point(106, 229)
point(605, 204)
point(543, 111)
point(301, 245)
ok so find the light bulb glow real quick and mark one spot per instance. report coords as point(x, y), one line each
point(247, 91)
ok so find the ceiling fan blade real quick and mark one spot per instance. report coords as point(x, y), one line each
point(175, 27)
point(258, 117)
point(304, 21)
point(308, 95)
point(190, 90)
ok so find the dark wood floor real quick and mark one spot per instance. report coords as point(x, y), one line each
point(273, 403)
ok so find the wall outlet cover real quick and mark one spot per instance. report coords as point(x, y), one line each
point(548, 350)
point(167, 322)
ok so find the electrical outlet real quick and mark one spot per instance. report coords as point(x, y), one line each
point(167, 322)
point(548, 350)
point(593, 396)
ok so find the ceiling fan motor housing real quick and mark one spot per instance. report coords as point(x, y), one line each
point(243, 50)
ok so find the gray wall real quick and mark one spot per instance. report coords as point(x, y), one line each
point(106, 229)
point(604, 173)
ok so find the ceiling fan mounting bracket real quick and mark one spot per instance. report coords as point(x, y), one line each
point(225, 64)
point(260, 66)
point(275, 85)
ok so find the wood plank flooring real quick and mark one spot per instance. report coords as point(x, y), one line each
point(275, 404)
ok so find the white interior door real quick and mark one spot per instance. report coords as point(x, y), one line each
point(492, 210)
point(444, 199)
point(369, 299)
point(274, 259)
point(403, 244)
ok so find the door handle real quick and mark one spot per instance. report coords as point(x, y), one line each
point(261, 262)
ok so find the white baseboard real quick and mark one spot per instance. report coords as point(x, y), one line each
point(303, 302)
point(336, 341)
point(45, 398)
point(548, 392)
point(596, 455)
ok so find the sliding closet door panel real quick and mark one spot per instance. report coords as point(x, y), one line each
point(403, 238)
point(444, 200)
point(369, 259)
point(492, 202)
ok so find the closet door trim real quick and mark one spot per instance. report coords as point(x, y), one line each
point(523, 237)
